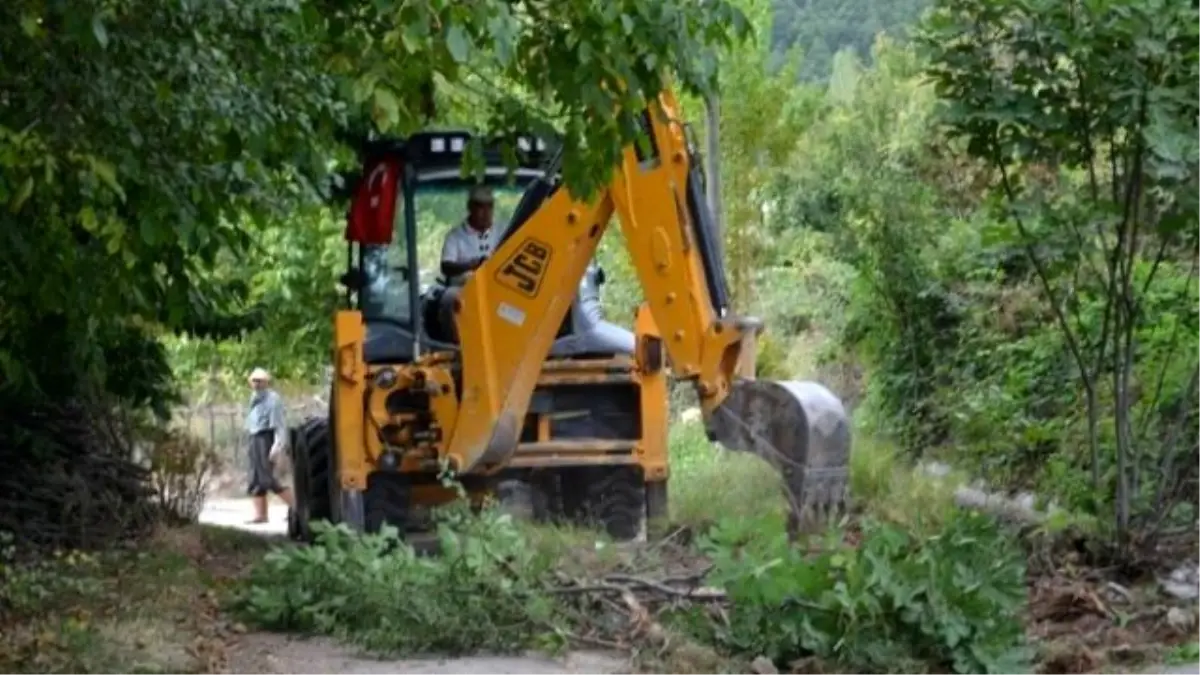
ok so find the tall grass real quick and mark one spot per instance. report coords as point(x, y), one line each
point(710, 484)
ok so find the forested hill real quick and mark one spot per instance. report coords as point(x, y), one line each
point(820, 28)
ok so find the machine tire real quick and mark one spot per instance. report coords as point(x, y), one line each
point(516, 497)
point(387, 501)
point(533, 497)
point(612, 498)
point(312, 464)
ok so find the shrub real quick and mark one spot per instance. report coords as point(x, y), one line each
point(950, 601)
point(483, 592)
point(181, 469)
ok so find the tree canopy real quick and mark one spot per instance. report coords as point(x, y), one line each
point(147, 148)
point(820, 29)
point(140, 140)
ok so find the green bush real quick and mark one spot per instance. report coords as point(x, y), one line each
point(484, 592)
point(949, 601)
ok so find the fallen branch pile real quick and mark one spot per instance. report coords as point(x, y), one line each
point(622, 611)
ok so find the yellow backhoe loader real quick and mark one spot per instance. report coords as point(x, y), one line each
point(514, 380)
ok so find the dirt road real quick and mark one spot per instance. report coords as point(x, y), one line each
point(264, 653)
point(269, 653)
point(235, 512)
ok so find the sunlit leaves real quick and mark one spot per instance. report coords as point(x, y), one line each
point(1088, 112)
point(457, 43)
point(131, 132)
point(575, 67)
point(1047, 80)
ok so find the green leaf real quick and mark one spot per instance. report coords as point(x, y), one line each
point(87, 218)
point(30, 25)
point(457, 43)
point(99, 31)
point(387, 107)
point(503, 31)
point(107, 174)
point(23, 194)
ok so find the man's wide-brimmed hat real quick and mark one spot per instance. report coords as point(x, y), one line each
point(260, 375)
point(480, 194)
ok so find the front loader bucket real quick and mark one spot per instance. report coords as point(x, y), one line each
point(801, 429)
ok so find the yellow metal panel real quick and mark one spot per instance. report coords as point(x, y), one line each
point(350, 379)
point(650, 198)
point(509, 312)
point(439, 384)
point(652, 450)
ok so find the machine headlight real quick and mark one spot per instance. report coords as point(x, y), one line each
point(385, 379)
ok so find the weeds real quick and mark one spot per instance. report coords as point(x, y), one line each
point(949, 601)
point(482, 592)
point(147, 609)
point(30, 588)
point(708, 484)
point(944, 591)
point(884, 485)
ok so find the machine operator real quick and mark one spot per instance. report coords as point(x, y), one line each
point(471, 242)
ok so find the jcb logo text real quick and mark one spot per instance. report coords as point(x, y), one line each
point(524, 270)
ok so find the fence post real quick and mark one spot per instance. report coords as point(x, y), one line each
point(239, 453)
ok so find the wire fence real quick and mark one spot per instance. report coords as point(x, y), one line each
point(222, 427)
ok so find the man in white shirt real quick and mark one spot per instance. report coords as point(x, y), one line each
point(472, 241)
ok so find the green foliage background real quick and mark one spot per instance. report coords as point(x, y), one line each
point(973, 219)
point(866, 225)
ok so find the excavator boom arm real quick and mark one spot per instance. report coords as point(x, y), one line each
point(508, 312)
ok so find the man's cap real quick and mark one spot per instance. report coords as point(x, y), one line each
point(480, 194)
point(260, 375)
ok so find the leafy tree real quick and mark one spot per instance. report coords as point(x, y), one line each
point(822, 28)
point(132, 138)
point(580, 69)
point(1087, 111)
point(762, 116)
point(859, 190)
point(146, 148)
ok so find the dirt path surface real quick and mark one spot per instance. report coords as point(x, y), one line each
point(270, 653)
point(264, 653)
point(235, 512)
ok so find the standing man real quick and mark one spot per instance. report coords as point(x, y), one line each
point(268, 435)
point(469, 244)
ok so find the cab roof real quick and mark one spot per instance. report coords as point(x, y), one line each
point(435, 157)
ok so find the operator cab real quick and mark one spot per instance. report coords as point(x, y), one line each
point(410, 193)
